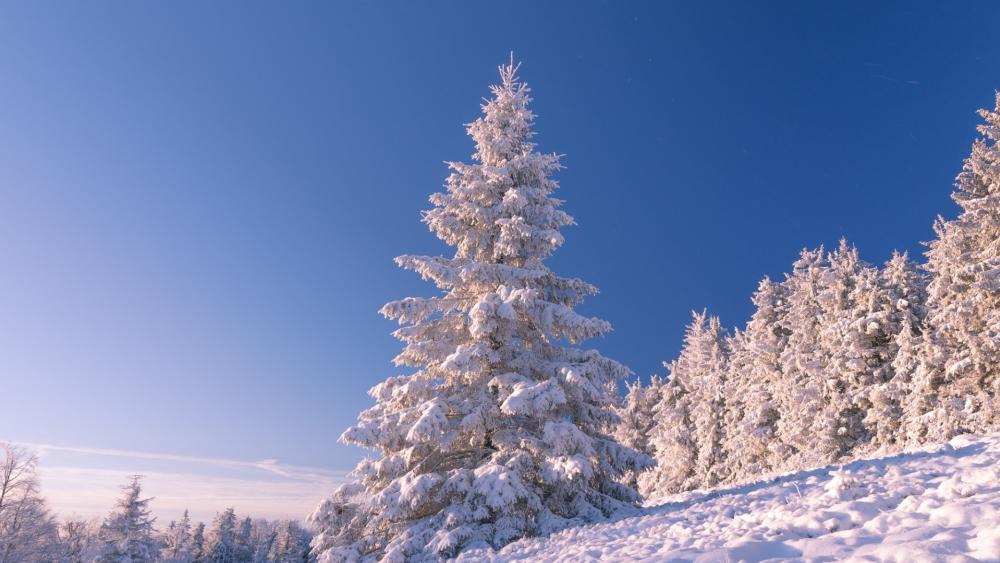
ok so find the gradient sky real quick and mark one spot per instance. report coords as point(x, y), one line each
point(201, 201)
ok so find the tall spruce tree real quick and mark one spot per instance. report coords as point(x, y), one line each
point(853, 343)
point(963, 344)
point(708, 378)
point(498, 433)
point(751, 445)
point(805, 426)
point(903, 299)
point(688, 436)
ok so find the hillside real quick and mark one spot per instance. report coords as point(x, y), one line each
point(940, 503)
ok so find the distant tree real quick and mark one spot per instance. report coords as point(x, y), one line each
point(499, 434)
point(262, 537)
point(291, 544)
point(28, 531)
point(244, 549)
point(198, 545)
point(221, 542)
point(178, 541)
point(79, 541)
point(127, 533)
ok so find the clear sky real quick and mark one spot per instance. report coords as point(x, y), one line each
point(201, 201)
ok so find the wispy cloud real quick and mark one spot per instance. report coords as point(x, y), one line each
point(85, 481)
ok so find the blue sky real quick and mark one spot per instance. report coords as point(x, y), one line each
point(201, 202)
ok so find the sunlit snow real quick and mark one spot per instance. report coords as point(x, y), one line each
point(935, 504)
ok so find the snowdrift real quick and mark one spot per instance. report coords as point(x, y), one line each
point(941, 503)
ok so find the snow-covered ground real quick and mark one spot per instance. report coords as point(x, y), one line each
point(937, 504)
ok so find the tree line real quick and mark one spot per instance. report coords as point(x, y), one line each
point(128, 534)
point(840, 359)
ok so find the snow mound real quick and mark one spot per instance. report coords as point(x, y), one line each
point(941, 503)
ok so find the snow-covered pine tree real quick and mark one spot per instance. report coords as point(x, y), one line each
point(263, 536)
point(220, 545)
point(291, 545)
point(912, 365)
point(751, 445)
point(127, 533)
point(498, 434)
point(176, 543)
point(902, 300)
point(707, 377)
point(688, 437)
point(243, 547)
point(853, 340)
point(806, 425)
point(636, 419)
point(166, 539)
point(963, 344)
point(919, 395)
point(934, 412)
point(672, 439)
point(198, 543)
point(636, 414)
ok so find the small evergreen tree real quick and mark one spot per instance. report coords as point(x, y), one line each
point(672, 439)
point(127, 533)
point(262, 537)
point(291, 544)
point(198, 546)
point(637, 419)
point(636, 414)
point(177, 547)
point(221, 543)
point(243, 549)
point(902, 304)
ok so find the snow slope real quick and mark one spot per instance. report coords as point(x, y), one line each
point(937, 504)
